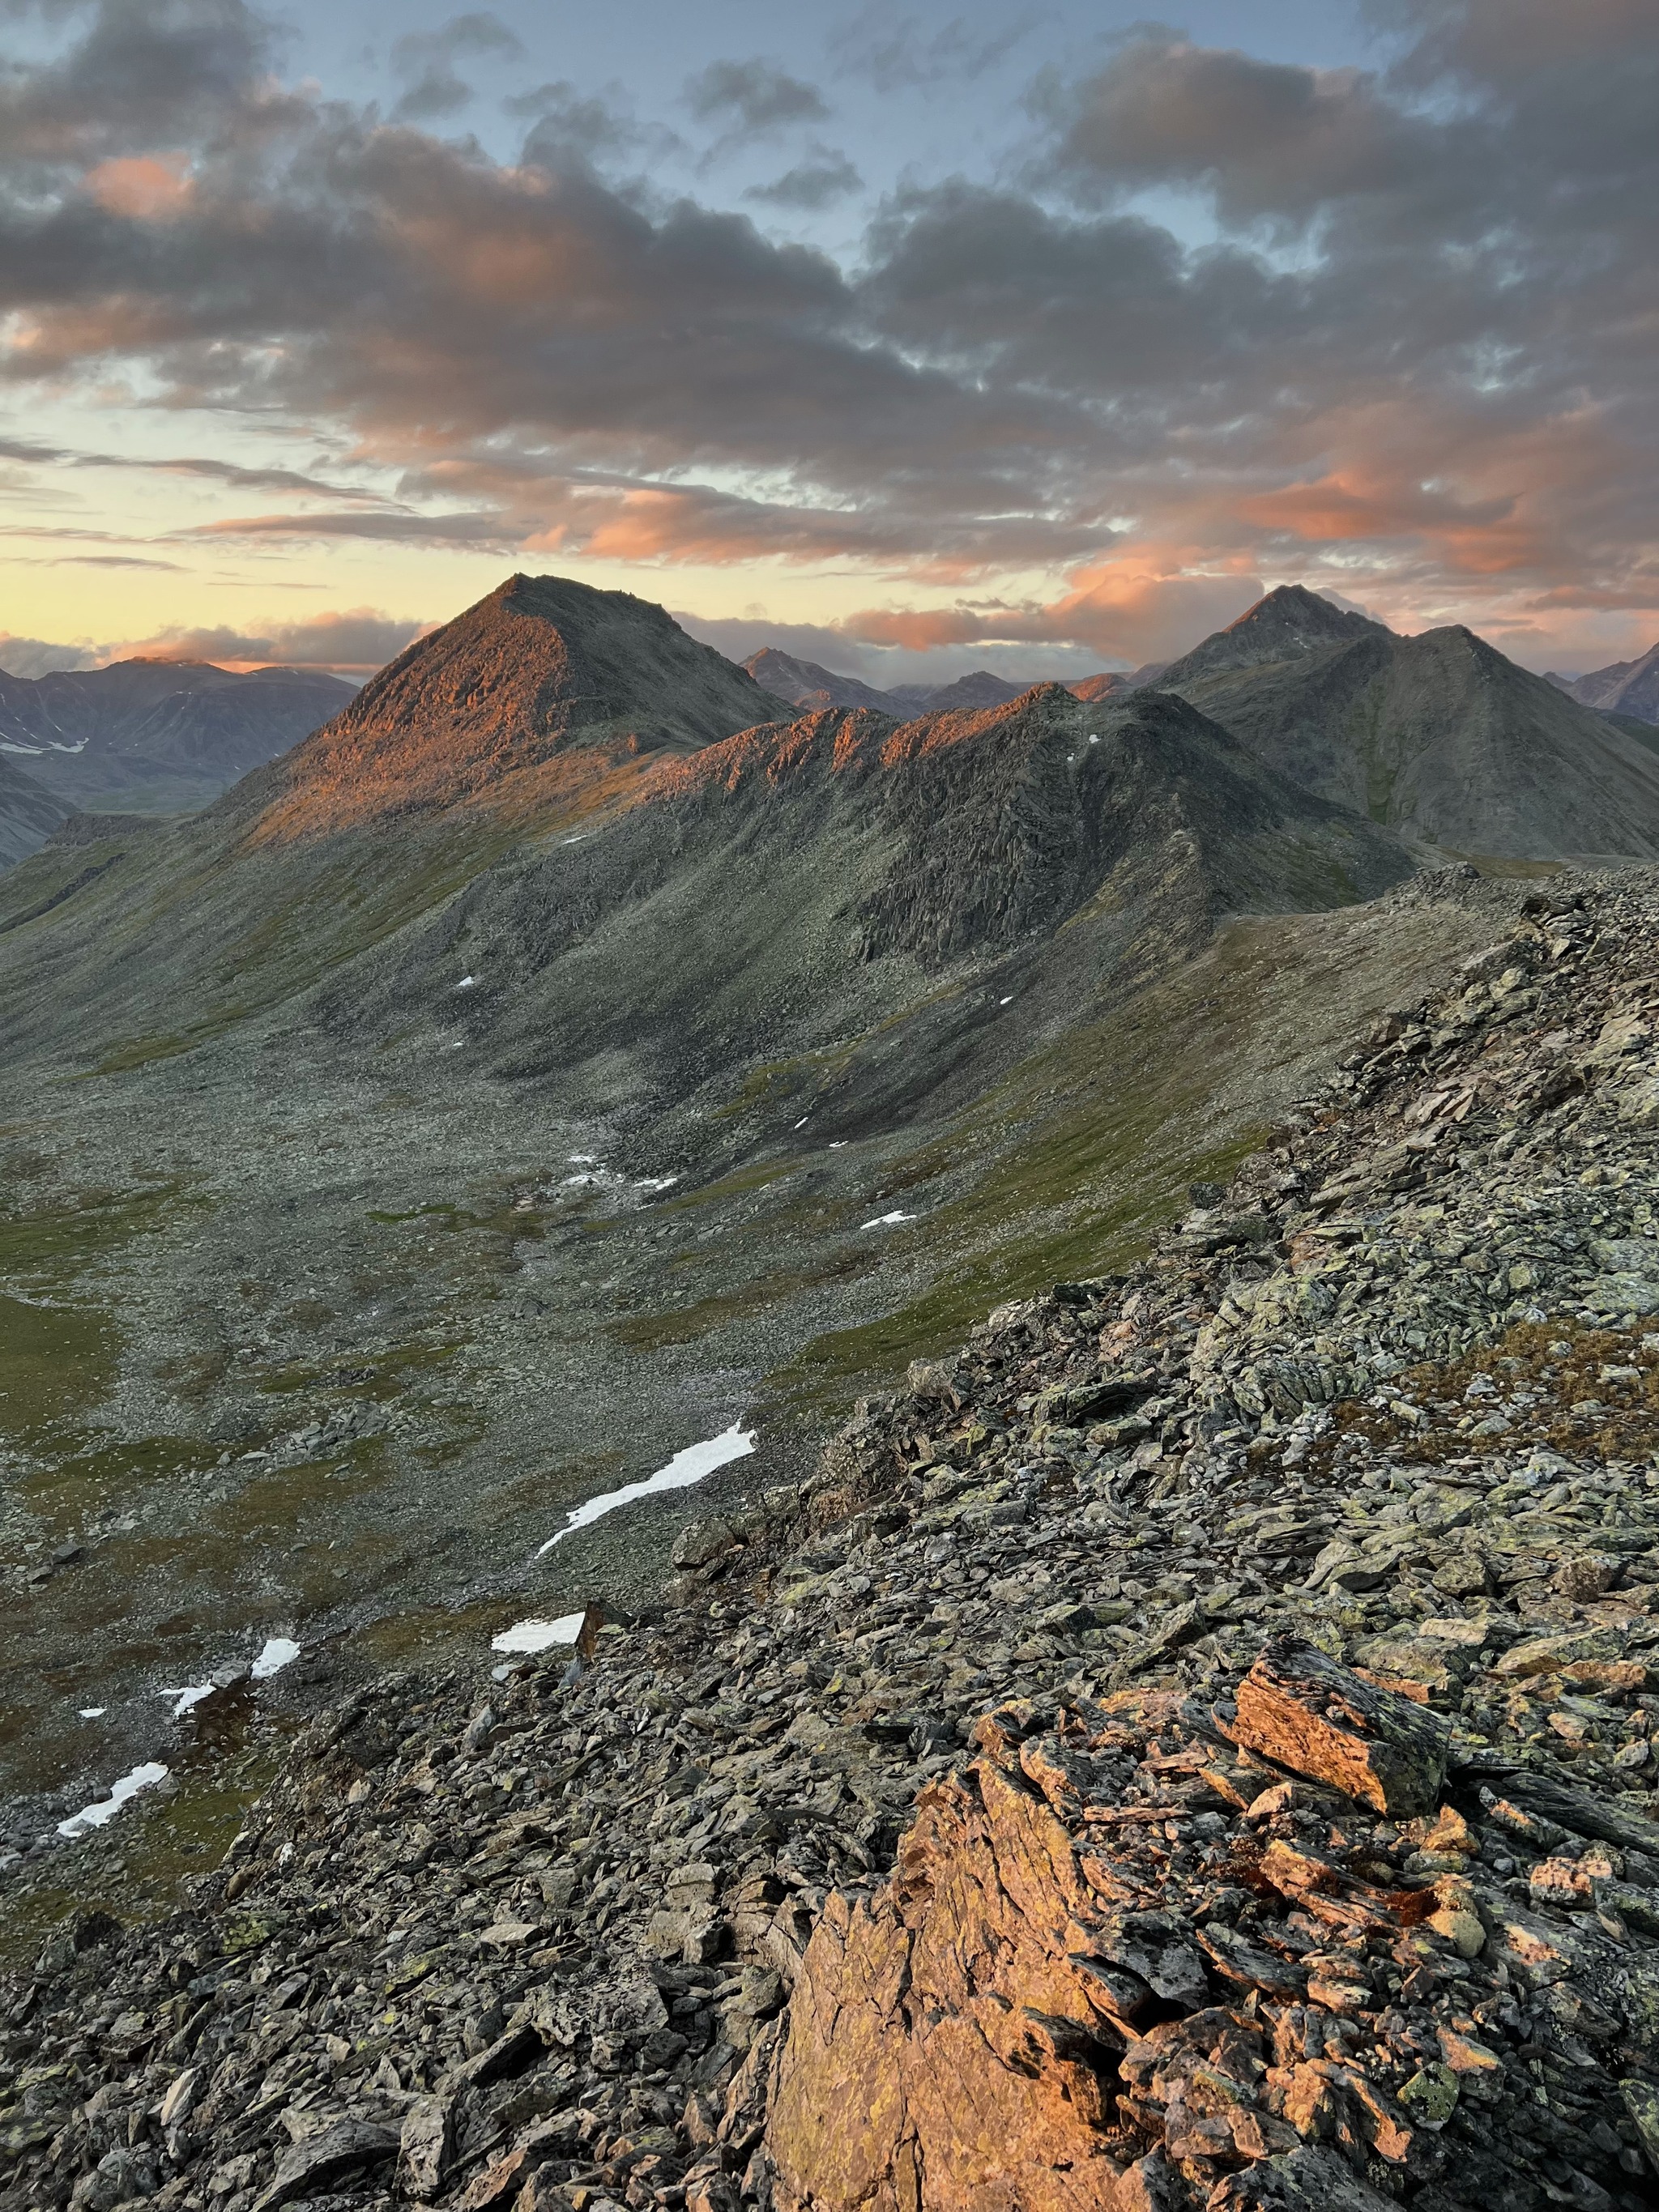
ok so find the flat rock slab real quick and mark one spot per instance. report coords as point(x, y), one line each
point(1307, 1713)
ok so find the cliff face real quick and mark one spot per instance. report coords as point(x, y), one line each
point(1191, 1748)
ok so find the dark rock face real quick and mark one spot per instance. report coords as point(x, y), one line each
point(1438, 736)
point(1029, 1753)
point(804, 683)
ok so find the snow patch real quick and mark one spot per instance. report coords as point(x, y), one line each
point(190, 1693)
point(887, 1220)
point(94, 1712)
point(280, 1651)
point(538, 1635)
point(685, 1467)
point(467, 983)
point(106, 1809)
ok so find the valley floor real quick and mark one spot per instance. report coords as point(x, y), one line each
point(304, 1340)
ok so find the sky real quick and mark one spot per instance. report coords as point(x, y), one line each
point(1041, 338)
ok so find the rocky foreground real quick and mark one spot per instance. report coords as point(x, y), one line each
point(1192, 1748)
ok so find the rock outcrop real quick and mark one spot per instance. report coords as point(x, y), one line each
point(1193, 1746)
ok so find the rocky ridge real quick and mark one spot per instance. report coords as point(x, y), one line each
point(1193, 1748)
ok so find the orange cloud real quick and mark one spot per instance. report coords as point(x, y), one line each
point(142, 187)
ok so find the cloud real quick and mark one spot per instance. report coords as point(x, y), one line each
point(32, 657)
point(33, 453)
point(811, 183)
point(1270, 140)
point(112, 561)
point(148, 187)
point(885, 666)
point(571, 129)
point(355, 642)
point(895, 53)
point(1413, 362)
point(486, 532)
point(752, 98)
point(427, 62)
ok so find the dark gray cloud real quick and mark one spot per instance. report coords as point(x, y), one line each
point(753, 98)
point(429, 62)
point(353, 643)
point(34, 452)
point(571, 129)
point(112, 561)
point(486, 532)
point(823, 177)
point(1413, 362)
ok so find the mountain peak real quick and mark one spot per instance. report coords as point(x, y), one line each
point(540, 666)
point(1290, 622)
point(1626, 687)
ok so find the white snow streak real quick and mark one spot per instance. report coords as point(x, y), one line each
point(685, 1467)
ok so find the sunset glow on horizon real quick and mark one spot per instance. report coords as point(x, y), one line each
point(311, 338)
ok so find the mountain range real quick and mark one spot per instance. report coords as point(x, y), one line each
point(1438, 735)
point(572, 1048)
point(806, 683)
point(155, 737)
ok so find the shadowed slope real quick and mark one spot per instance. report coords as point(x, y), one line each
point(28, 813)
point(1438, 735)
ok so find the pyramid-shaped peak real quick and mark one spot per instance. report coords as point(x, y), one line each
point(1293, 607)
point(541, 666)
point(543, 660)
point(1289, 621)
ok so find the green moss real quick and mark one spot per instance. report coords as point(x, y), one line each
point(375, 1375)
point(158, 1841)
point(650, 1332)
point(56, 1363)
point(93, 1473)
point(741, 1180)
point(1076, 1160)
point(778, 1079)
point(56, 1243)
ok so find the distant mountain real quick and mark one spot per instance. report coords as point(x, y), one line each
point(28, 813)
point(158, 736)
point(1628, 687)
point(490, 708)
point(968, 693)
point(1289, 624)
point(804, 683)
point(1439, 735)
